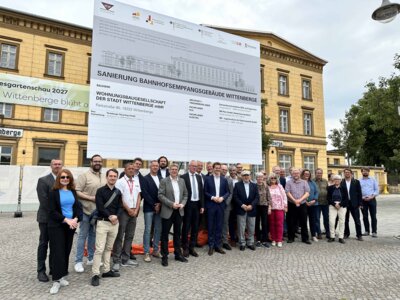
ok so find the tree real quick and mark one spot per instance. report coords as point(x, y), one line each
point(370, 133)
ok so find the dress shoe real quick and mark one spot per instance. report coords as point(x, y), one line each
point(290, 241)
point(227, 247)
point(330, 240)
point(252, 247)
point(307, 242)
point(210, 251)
point(342, 241)
point(156, 254)
point(95, 280)
point(164, 262)
point(360, 239)
point(219, 250)
point(192, 252)
point(242, 248)
point(181, 259)
point(41, 276)
point(319, 236)
point(346, 236)
point(131, 256)
point(233, 244)
point(185, 253)
point(110, 274)
point(265, 245)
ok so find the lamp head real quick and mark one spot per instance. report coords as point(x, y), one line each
point(387, 12)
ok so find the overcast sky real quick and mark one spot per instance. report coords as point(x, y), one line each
point(342, 32)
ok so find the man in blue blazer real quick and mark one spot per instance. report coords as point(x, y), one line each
point(246, 197)
point(216, 192)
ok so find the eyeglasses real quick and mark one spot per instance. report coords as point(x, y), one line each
point(64, 177)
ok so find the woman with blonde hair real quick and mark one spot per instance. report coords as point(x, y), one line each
point(277, 209)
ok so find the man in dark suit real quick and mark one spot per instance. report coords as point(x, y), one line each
point(163, 163)
point(173, 197)
point(194, 207)
point(246, 197)
point(353, 189)
point(216, 192)
point(151, 210)
point(44, 185)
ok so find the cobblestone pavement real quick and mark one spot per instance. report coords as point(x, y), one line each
point(356, 270)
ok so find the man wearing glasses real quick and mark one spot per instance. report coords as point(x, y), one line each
point(86, 188)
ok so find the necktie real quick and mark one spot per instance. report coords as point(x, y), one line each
point(194, 192)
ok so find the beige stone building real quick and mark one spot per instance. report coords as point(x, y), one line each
point(37, 48)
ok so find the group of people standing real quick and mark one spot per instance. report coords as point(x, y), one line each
point(230, 207)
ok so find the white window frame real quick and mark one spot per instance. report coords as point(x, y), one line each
point(285, 161)
point(307, 123)
point(53, 113)
point(55, 64)
point(308, 161)
point(6, 154)
point(8, 56)
point(306, 87)
point(6, 109)
point(283, 84)
point(284, 120)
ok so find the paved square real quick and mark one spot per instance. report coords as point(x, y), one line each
point(359, 270)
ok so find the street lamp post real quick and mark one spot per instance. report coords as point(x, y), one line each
point(387, 12)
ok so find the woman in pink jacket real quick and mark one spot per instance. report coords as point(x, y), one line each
point(276, 210)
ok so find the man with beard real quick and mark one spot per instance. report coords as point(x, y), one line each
point(86, 188)
point(370, 190)
point(163, 163)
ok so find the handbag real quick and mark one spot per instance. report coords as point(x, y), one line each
point(95, 214)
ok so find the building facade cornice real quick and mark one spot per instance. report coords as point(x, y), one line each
point(285, 56)
point(25, 22)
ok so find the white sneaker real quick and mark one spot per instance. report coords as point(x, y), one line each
point(279, 244)
point(315, 239)
point(55, 288)
point(64, 282)
point(79, 268)
point(89, 263)
point(273, 243)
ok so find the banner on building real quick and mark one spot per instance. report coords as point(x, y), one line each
point(24, 90)
point(163, 86)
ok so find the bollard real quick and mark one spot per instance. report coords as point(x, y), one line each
point(18, 213)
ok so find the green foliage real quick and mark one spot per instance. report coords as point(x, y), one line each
point(370, 133)
point(266, 141)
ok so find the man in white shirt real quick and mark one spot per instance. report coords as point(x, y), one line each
point(173, 196)
point(131, 196)
point(193, 209)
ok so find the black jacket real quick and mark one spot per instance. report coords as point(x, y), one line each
point(355, 192)
point(43, 188)
point(186, 178)
point(152, 193)
point(56, 217)
point(343, 191)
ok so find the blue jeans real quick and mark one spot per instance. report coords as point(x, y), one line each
point(149, 218)
point(325, 215)
point(86, 231)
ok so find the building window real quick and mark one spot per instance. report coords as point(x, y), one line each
point(285, 161)
point(55, 64)
point(283, 85)
point(284, 120)
point(45, 155)
point(262, 78)
point(336, 161)
point(309, 163)
point(8, 56)
point(5, 155)
point(307, 117)
point(6, 110)
point(84, 161)
point(51, 115)
point(89, 66)
point(306, 85)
